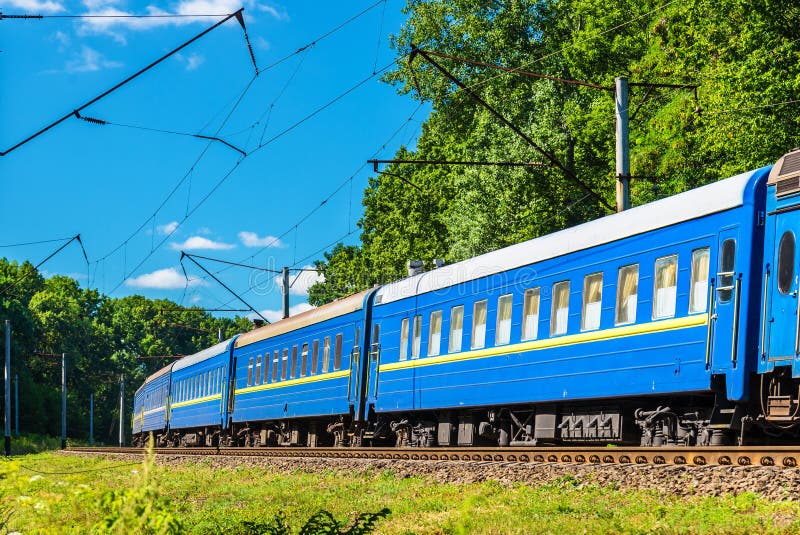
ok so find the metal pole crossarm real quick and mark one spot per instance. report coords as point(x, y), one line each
point(191, 256)
point(122, 83)
point(375, 163)
point(204, 309)
point(160, 356)
point(37, 266)
point(185, 255)
point(551, 158)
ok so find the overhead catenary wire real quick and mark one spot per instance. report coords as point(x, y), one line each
point(198, 264)
point(122, 83)
point(35, 242)
point(332, 194)
point(261, 145)
point(549, 156)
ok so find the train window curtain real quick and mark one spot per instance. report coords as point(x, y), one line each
point(479, 325)
point(530, 314)
point(435, 334)
point(503, 329)
point(404, 339)
point(559, 313)
point(592, 301)
point(627, 294)
point(416, 337)
point(698, 298)
point(664, 293)
point(456, 329)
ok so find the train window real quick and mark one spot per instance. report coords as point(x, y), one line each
point(304, 359)
point(435, 334)
point(698, 291)
point(416, 336)
point(284, 364)
point(592, 301)
point(502, 333)
point(530, 314)
point(664, 291)
point(326, 354)
point(276, 357)
point(376, 340)
point(559, 313)
point(404, 339)
point(258, 370)
point(479, 324)
point(786, 262)
point(456, 329)
point(337, 353)
point(727, 260)
point(293, 365)
point(314, 357)
point(250, 372)
point(627, 294)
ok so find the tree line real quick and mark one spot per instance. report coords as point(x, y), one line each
point(102, 337)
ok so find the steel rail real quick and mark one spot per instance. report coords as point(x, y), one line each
point(777, 456)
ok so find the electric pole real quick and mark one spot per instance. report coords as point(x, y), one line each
point(623, 144)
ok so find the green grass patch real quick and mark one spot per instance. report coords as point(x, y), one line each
point(55, 493)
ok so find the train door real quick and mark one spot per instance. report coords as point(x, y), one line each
point(782, 286)
point(374, 362)
point(726, 301)
point(355, 368)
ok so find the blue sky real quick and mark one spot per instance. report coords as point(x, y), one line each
point(106, 182)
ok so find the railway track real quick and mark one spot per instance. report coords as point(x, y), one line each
point(780, 456)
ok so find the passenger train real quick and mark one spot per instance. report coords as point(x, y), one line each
point(673, 323)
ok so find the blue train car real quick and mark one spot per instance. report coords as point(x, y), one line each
point(150, 407)
point(637, 327)
point(199, 398)
point(298, 381)
point(779, 336)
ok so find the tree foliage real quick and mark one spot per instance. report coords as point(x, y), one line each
point(741, 56)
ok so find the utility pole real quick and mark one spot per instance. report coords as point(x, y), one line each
point(285, 274)
point(91, 418)
point(16, 404)
point(63, 401)
point(219, 334)
point(7, 378)
point(121, 410)
point(623, 144)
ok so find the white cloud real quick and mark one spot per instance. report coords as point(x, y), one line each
point(196, 299)
point(205, 231)
point(163, 279)
point(193, 61)
point(62, 39)
point(251, 239)
point(36, 6)
point(89, 60)
point(107, 26)
point(196, 243)
point(276, 315)
point(168, 228)
point(304, 281)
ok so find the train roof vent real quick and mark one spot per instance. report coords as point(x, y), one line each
point(785, 175)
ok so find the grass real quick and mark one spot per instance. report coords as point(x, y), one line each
point(55, 493)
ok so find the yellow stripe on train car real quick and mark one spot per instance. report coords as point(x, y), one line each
point(582, 338)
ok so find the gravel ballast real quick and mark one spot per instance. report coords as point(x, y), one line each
point(770, 482)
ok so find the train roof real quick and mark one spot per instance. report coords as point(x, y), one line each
point(200, 356)
point(712, 198)
point(153, 376)
point(337, 308)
